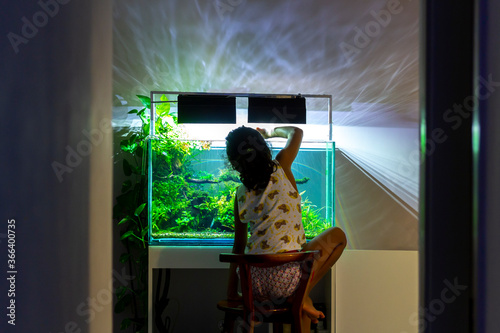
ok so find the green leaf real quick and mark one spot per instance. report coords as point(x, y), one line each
point(144, 117)
point(128, 145)
point(124, 257)
point(141, 112)
point(145, 129)
point(159, 125)
point(132, 111)
point(138, 242)
point(146, 101)
point(139, 209)
point(125, 324)
point(128, 234)
point(163, 109)
point(125, 219)
point(120, 292)
point(144, 232)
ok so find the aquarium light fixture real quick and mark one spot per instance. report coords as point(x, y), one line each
point(217, 117)
point(277, 110)
point(206, 109)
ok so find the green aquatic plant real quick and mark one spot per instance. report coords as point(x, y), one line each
point(220, 209)
point(312, 220)
point(130, 210)
point(131, 215)
point(188, 200)
point(182, 224)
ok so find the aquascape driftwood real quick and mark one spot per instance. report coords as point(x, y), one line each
point(234, 179)
point(226, 178)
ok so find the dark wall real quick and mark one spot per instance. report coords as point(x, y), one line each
point(487, 162)
point(449, 94)
point(55, 80)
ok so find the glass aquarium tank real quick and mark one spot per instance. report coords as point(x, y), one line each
point(191, 185)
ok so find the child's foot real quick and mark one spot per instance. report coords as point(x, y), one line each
point(311, 311)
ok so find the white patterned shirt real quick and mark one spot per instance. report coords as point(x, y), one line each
point(273, 214)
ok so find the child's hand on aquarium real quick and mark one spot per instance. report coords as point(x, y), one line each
point(265, 133)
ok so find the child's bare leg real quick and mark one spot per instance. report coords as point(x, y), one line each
point(311, 312)
point(331, 243)
point(306, 323)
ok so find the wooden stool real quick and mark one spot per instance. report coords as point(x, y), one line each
point(266, 311)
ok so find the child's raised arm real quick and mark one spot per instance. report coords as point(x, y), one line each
point(287, 155)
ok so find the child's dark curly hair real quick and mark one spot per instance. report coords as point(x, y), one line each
point(248, 153)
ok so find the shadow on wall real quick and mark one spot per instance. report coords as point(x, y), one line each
point(375, 218)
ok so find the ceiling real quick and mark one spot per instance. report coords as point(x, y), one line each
point(364, 53)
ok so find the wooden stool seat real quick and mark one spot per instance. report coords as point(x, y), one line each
point(231, 306)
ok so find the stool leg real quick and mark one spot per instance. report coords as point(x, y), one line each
point(229, 320)
point(277, 328)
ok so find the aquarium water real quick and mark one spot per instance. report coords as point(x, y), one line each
point(191, 190)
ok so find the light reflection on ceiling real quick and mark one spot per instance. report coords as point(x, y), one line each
point(292, 46)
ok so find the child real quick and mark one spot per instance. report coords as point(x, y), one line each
point(268, 203)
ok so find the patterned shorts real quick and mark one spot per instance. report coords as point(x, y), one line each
point(275, 282)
